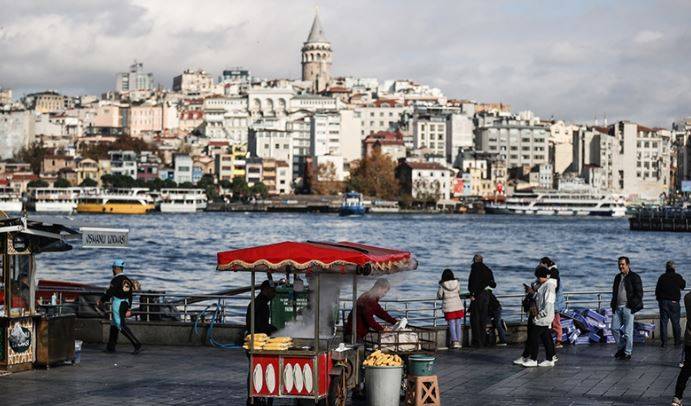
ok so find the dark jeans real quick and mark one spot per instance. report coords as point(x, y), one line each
point(536, 334)
point(124, 329)
point(684, 373)
point(499, 325)
point(479, 314)
point(670, 311)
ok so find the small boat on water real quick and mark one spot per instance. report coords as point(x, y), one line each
point(56, 200)
point(561, 204)
point(352, 205)
point(182, 200)
point(10, 200)
point(116, 201)
point(384, 206)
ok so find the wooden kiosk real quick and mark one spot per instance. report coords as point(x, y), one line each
point(20, 323)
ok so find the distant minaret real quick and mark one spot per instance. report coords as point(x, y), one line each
point(316, 57)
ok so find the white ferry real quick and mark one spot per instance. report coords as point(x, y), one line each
point(116, 201)
point(55, 199)
point(10, 200)
point(561, 204)
point(182, 200)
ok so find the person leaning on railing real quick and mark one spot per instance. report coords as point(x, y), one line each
point(668, 294)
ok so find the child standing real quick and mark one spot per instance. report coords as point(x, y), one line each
point(450, 294)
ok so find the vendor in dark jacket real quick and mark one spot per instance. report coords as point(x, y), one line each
point(480, 279)
point(627, 299)
point(668, 294)
point(367, 307)
point(262, 312)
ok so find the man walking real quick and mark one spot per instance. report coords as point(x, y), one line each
point(627, 299)
point(480, 279)
point(686, 369)
point(120, 291)
point(668, 293)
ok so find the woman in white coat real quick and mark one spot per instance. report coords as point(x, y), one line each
point(450, 294)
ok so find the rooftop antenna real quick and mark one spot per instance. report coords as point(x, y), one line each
point(605, 119)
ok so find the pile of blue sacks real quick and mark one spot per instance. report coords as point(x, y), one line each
point(584, 326)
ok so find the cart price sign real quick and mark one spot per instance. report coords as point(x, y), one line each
point(93, 237)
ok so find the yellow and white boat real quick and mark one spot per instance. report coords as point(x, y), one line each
point(116, 201)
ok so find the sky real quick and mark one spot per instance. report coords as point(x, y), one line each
point(572, 60)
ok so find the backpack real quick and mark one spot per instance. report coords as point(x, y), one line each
point(529, 304)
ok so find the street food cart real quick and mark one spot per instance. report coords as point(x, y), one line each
point(28, 336)
point(317, 369)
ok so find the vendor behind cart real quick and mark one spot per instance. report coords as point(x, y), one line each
point(367, 307)
point(262, 312)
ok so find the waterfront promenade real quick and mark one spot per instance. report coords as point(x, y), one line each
point(585, 375)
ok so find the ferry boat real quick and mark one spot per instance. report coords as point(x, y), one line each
point(182, 200)
point(352, 205)
point(54, 199)
point(116, 201)
point(384, 206)
point(10, 200)
point(561, 204)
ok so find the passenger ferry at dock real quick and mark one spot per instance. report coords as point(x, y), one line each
point(10, 200)
point(55, 199)
point(182, 200)
point(116, 201)
point(561, 204)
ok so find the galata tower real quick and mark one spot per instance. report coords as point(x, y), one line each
point(316, 57)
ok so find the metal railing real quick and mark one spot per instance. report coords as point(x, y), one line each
point(162, 306)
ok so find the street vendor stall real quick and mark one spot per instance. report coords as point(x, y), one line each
point(27, 335)
point(316, 369)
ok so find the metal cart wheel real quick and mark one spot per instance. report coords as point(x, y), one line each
point(338, 390)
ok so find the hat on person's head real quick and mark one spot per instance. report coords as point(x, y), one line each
point(541, 272)
point(120, 263)
point(266, 284)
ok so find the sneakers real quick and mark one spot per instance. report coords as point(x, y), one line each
point(619, 354)
point(676, 401)
point(501, 344)
point(681, 365)
point(626, 357)
point(558, 345)
point(530, 363)
point(555, 358)
point(137, 350)
point(455, 344)
point(546, 363)
point(520, 361)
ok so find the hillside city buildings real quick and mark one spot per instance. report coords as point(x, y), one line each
point(275, 131)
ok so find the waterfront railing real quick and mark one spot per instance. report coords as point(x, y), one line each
point(154, 306)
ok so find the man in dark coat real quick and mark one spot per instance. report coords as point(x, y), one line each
point(668, 294)
point(262, 311)
point(627, 299)
point(480, 279)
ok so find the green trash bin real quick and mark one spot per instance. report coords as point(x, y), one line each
point(285, 305)
point(420, 365)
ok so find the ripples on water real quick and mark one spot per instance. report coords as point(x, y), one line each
point(177, 252)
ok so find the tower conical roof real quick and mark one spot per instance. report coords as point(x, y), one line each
point(317, 32)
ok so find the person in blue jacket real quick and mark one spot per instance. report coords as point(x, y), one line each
point(120, 292)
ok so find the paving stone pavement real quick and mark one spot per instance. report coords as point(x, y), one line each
point(584, 375)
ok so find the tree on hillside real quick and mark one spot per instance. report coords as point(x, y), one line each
point(118, 181)
point(259, 190)
point(375, 176)
point(37, 183)
point(207, 183)
point(240, 188)
point(325, 182)
point(33, 155)
point(62, 182)
point(88, 182)
point(124, 143)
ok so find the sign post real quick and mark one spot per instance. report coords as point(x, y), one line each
point(96, 237)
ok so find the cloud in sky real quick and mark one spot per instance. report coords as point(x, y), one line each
point(570, 60)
